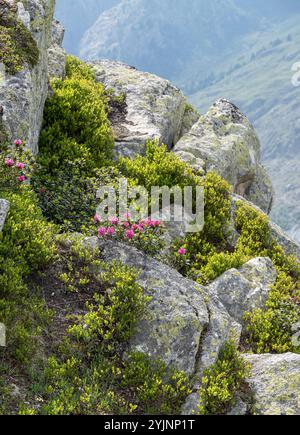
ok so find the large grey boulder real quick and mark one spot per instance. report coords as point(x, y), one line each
point(245, 289)
point(182, 326)
point(153, 107)
point(224, 141)
point(23, 95)
point(4, 209)
point(177, 315)
point(275, 382)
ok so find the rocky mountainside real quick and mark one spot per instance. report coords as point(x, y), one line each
point(106, 317)
point(231, 54)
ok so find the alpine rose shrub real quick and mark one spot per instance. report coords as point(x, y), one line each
point(146, 235)
point(16, 165)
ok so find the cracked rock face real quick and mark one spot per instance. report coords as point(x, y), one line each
point(177, 315)
point(183, 326)
point(275, 381)
point(22, 96)
point(57, 56)
point(224, 141)
point(154, 108)
point(245, 289)
point(4, 208)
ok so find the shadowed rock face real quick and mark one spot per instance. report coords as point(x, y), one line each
point(224, 141)
point(275, 382)
point(153, 109)
point(23, 95)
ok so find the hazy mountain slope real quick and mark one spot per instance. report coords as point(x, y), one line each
point(164, 36)
point(77, 16)
point(260, 83)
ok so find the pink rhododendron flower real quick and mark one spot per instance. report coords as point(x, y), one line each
point(97, 218)
point(129, 234)
point(18, 142)
point(114, 220)
point(111, 231)
point(9, 162)
point(126, 224)
point(182, 251)
point(134, 227)
point(20, 165)
point(141, 228)
point(22, 178)
point(150, 223)
point(157, 223)
point(102, 231)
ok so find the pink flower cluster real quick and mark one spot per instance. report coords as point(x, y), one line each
point(125, 229)
point(182, 251)
point(10, 163)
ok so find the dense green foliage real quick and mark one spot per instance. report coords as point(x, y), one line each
point(158, 168)
point(76, 127)
point(222, 381)
point(271, 329)
point(26, 246)
point(76, 140)
point(17, 46)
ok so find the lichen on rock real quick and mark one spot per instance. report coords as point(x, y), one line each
point(27, 31)
point(224, 141)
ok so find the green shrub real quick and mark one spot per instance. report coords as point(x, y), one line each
point(270, 329)
point(11, 157)
point(137, 385)
point(69, 198)
point(158, 168)
point(207, 254)
point(76, 127)
point(17, 45)
point(27, 245)
point(112, 317)
point(222, 381)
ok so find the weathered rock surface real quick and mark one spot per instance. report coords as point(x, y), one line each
point(154, 108)
point(275, 381)
point(4, 208)
point(177, 316)
point(224, 141)
point(23, 95)
point(183, 326)
point(57, 56)
point(245, 289)
point(289, 246)
point(221, 329)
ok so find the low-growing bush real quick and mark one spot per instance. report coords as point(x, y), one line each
point(76, 127)
point(222, 382)
point(158, 168)
point(27, 245)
